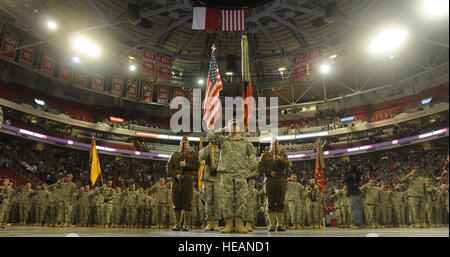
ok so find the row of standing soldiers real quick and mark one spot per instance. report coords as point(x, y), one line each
point(62, 205)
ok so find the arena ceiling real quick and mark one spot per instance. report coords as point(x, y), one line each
point(277, 31)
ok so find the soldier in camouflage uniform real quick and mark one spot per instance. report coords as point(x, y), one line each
point(346, 209)
point(117, 208)
point(399, 203)
point(5, 199)
point(386, 206)
point(148, 208)
point(274, 165)
point(84, 205)
point(294, 195)
point(140, 216)
point(445, 205)
point(181, 171)
point(314, 203)
point(237, 158)
point(50, 216)
point(170, 206)
point(160, 203)
point(372, 198)
point(251, 205)
point(41, 200)
point(24, 203)
point(67, 192)
point(108, 196)
point(197, 215)
point(416, 198)
point(130, 199)
point(337, 200)
point(211, 186)
point(98, 206)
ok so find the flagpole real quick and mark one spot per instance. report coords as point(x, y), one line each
point(442, 176)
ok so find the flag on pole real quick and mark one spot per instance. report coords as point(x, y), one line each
point(205, 18)
point(247, 95)
point(95, 163)
point(200, 169)
point(233, 20)
point(212, 107)
point(320, 164)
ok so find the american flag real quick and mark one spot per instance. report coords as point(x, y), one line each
point(233, 20)
point(212, 108)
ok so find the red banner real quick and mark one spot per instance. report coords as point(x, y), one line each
point(132, 86)
point(48, 63)
point(165, 67)
point(300, 69)
point(81, 79)
point(299, 60)
point(148, 62)
point(177, 92)
point(147, 93)
point(64, 73)
point(163, 95)
point(9, 43)
point(316, 53)
point(98, 79)
point(26, 56)
point(116, 86)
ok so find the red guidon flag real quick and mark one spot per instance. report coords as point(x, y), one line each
point(205, 18)
point(212, 107)
point(247, 97)
point(320, 164)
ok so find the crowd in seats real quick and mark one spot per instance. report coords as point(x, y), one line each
point(28, 94)
point(439, 93)
point(75, 110)
point(5, 93)
point(52, 163)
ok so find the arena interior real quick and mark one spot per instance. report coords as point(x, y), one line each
point(369, 78)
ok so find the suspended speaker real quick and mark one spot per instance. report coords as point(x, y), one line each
point(133, 14)
point(331, 12)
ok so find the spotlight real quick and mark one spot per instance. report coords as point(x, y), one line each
point(388, 40)
point(434, 8)
point(391, 57)
point(333, 56)
point(85, 46)
point(132, 67)
point(39, 101)
point(229, 73)
point(325, 68)
point(52, 25)
point(282, 69)
point(200, 81)
point(75, 59)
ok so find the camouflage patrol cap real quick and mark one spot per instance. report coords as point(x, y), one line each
point(312, 181)
point(69, 175)
point(185, 139)
point(294, 176)
point(7, 180)
point(44, 184)
point(28, 184)
point(161, 179)
point(372, 181)
point(110, 182)
point(133, 185)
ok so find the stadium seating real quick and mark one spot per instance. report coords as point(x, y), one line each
point(438, 93)
point(14, 177)
point(5, 93)
point(360, 112)
point(388, 109)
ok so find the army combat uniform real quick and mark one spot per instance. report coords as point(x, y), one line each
point(416, 199)
point(66, 198)
point(399, 203)
point(160, 204)
point(372, 198)
point(251, 205)
point(23, 200)
point(5, 199)
point(211, 188)
point(386, 208)
point(41, 200)
point(294, 196)
point(314, 204)
point(275, 186)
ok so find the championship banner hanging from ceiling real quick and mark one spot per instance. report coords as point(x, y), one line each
point(81, 79)
point(48, 63)
point(26, 56)
point(9, 43)
point(306, 62)
point(178, 92)
point(147, 92)
point(116, 86)
point(148, 62)
point(64, 73)
point(165, 67)
point(98, 79)
point(300, 68)
point(132, 87)
point(163, 95)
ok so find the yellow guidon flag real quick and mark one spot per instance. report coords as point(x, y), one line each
point(95, 163)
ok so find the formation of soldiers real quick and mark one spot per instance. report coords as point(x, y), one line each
point(229, 191)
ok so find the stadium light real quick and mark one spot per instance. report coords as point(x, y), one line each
point(229, 73)
point(325, 68)
point(333, 56)
point(200, 81)
point(39, 101)
point(85, 46)
point(75, 59)
point(52, 25)
point(281, 69)
point(132, 67)
point(388, 40)
point(434, 8)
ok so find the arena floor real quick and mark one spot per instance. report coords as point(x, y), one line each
point(29, 231)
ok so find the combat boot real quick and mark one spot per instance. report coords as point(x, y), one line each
point(280, 217)
point(272, 221)
point(210, 226)
point(228, 226)
point(240, 226)
point(187, 220)
point(249, 226)
point(216, 226)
